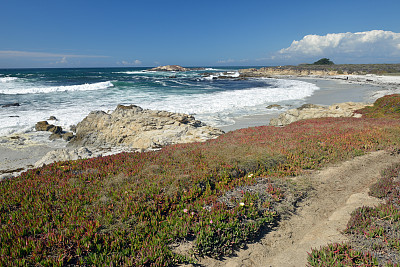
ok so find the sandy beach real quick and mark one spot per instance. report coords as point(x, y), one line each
point(20, 152)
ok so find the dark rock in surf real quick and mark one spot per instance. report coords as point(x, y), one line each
point(10, 105)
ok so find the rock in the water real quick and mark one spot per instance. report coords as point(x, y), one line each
point(52, 118)
point(134, 127)
point(169, 68)
point(42, 126)
point(10, 105)
point(274, 106)
point(309, 106)
point(55, 129)
point(63, 155)
point(310, 111)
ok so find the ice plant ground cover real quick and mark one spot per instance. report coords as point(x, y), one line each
point(374, 232)
point(134, 208)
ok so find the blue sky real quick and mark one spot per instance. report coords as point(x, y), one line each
point(61, 33)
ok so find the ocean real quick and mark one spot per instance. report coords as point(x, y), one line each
point(70, 94)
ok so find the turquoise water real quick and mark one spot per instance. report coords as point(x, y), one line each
point(70, 94)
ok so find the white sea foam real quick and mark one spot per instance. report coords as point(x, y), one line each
point(7, 79)
point(237, 101)
point(132, 72)
point(214, 107)
point(25, 88)
point(232, 74)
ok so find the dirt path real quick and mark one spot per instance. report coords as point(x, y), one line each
point(320, 219)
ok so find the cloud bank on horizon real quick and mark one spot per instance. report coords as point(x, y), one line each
point(376, 46)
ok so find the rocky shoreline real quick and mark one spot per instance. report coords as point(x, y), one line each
point(311, 111)
point(127, 128)
point(131, 128)
point(140, 129)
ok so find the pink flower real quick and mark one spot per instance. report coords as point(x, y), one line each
point(192, 213)
point(185, 210)
point(211, 221)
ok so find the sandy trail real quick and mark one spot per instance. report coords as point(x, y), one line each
point(319, 220)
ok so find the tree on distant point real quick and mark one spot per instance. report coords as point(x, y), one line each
point(323, 61)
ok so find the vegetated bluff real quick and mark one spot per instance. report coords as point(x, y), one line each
point(137, 128)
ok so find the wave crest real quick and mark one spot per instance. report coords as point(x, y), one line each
point(50, 89)
point(7, 79)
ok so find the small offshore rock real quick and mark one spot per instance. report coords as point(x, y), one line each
point(52, 118)
point(10, 105)
point(274, 106)
point(169, 68)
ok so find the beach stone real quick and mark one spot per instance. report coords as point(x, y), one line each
point(137, 128)
point(64, 154)
point(311, 111)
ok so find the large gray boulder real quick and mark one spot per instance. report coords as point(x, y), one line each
point(136, 128)
point(64, 154)
point(310, 111)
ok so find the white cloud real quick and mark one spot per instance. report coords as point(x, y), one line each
point(136, 62)
point(62, 61)
point(369, 45)
point(225, 61)
point(27, 54)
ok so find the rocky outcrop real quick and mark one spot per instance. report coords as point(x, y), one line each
point(63, 155)
point(169, 68)
point(173, 68)
point(137, 128)
point(273, 71)
point(310, 111)
point(56, 131)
